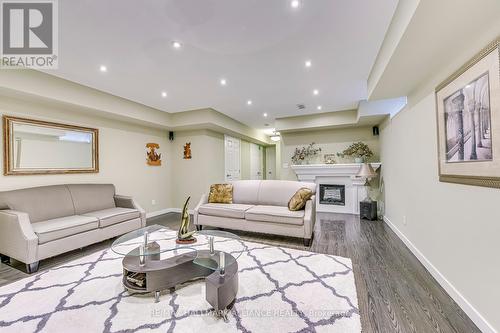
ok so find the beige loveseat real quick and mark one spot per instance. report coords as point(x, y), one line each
point(261, 206)
point(41, 222)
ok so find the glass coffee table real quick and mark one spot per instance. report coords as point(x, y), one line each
point(153, 262)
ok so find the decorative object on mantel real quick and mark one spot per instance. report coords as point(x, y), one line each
point(358, 150)
point(468, 109)
point(153, 158)
point(187, 151)
point(184, 236)
point(329, 158)
point(305, 154)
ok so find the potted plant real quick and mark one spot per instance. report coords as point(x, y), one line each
point(358, 150)
point(305, 153)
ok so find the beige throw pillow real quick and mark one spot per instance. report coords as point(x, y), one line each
point(221, 193)
point(299, 199)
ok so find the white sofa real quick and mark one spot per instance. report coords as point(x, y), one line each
point(41, 222)
point(261, 206)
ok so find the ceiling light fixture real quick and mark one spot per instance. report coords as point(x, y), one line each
point(315, 92)
point(223, 82)
point(103, 68)
point(176, 45)
point(265, 115)
point(308, 63)
point(319, 107)
point(295, 3)
point(249, 102)
point(275, 138)
point(164, 94)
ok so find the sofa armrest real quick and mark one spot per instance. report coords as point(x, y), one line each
point(310, 217)
point(129, 202)
point(203, 200)
point(17, 238)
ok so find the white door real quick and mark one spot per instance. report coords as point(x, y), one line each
point(232, 158)
point(271, 162)
point(256, 161)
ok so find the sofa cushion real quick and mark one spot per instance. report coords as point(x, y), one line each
point(51, 230)
point(112, 216)
point(221, 193)
point(246, 191)
point(225, 210)
point(299, 199)
point(276, 214)
point(279, 193)
point(92, 197)
point(41, 203)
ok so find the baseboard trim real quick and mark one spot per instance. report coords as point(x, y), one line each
point(462, 302)
point(166, 211)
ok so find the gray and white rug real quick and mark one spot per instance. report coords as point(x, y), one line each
point(280, 290)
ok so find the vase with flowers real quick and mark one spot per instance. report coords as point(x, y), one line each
point(358, 150)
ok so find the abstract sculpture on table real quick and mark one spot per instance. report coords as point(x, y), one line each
point(184, 236)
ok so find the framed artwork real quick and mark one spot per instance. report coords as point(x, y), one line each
point(468, 121)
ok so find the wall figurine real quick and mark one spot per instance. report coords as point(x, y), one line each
point(153, 157)
point(187, 151)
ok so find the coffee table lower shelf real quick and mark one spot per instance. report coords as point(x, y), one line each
point(157, 275)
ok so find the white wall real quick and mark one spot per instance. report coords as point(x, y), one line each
point(193, 177)
point(455, 227)
point(122, 155)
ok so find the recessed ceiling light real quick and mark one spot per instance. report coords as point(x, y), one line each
point(249, 102)
point(176, 45)
point(265, 115)
point(308, 63)
point(163, 94)
point(103, 68)
point(319, 107)
point(295, 3)
point(316, 92)
point(223, 82)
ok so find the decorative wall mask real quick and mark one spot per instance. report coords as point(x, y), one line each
point(153, 158)
point(187, 151)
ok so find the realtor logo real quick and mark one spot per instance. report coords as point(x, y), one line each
point(29, 34)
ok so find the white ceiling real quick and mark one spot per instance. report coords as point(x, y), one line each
point(259, 46)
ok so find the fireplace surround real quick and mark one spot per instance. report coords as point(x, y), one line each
point(338, 175)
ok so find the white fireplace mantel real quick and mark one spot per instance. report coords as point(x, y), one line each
point(336, 174)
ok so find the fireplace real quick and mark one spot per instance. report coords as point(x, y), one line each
point(332, 194)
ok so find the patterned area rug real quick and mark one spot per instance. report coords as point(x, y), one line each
point(280, 290)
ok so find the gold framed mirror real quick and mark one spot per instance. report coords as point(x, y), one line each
point(39, 147)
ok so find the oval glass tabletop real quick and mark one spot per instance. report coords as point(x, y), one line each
point(155, 239)
point(221, 248)
point(158, 239)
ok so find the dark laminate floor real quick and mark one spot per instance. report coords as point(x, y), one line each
point(395, 292)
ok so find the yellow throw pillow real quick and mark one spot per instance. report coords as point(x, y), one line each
point(299, 199)
point(221, 193)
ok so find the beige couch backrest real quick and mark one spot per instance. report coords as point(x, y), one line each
point(50, 202)
point(92, 197)
point(246, 191)
point(267, 192)
point(41, 203)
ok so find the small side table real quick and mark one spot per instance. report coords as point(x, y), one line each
point(368, 210)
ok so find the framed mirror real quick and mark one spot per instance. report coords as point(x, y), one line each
point(40, 147)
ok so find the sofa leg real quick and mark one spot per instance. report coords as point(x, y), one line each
point(199, 227)
point(32, 268)
point(5, 259)
point(307, 242)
